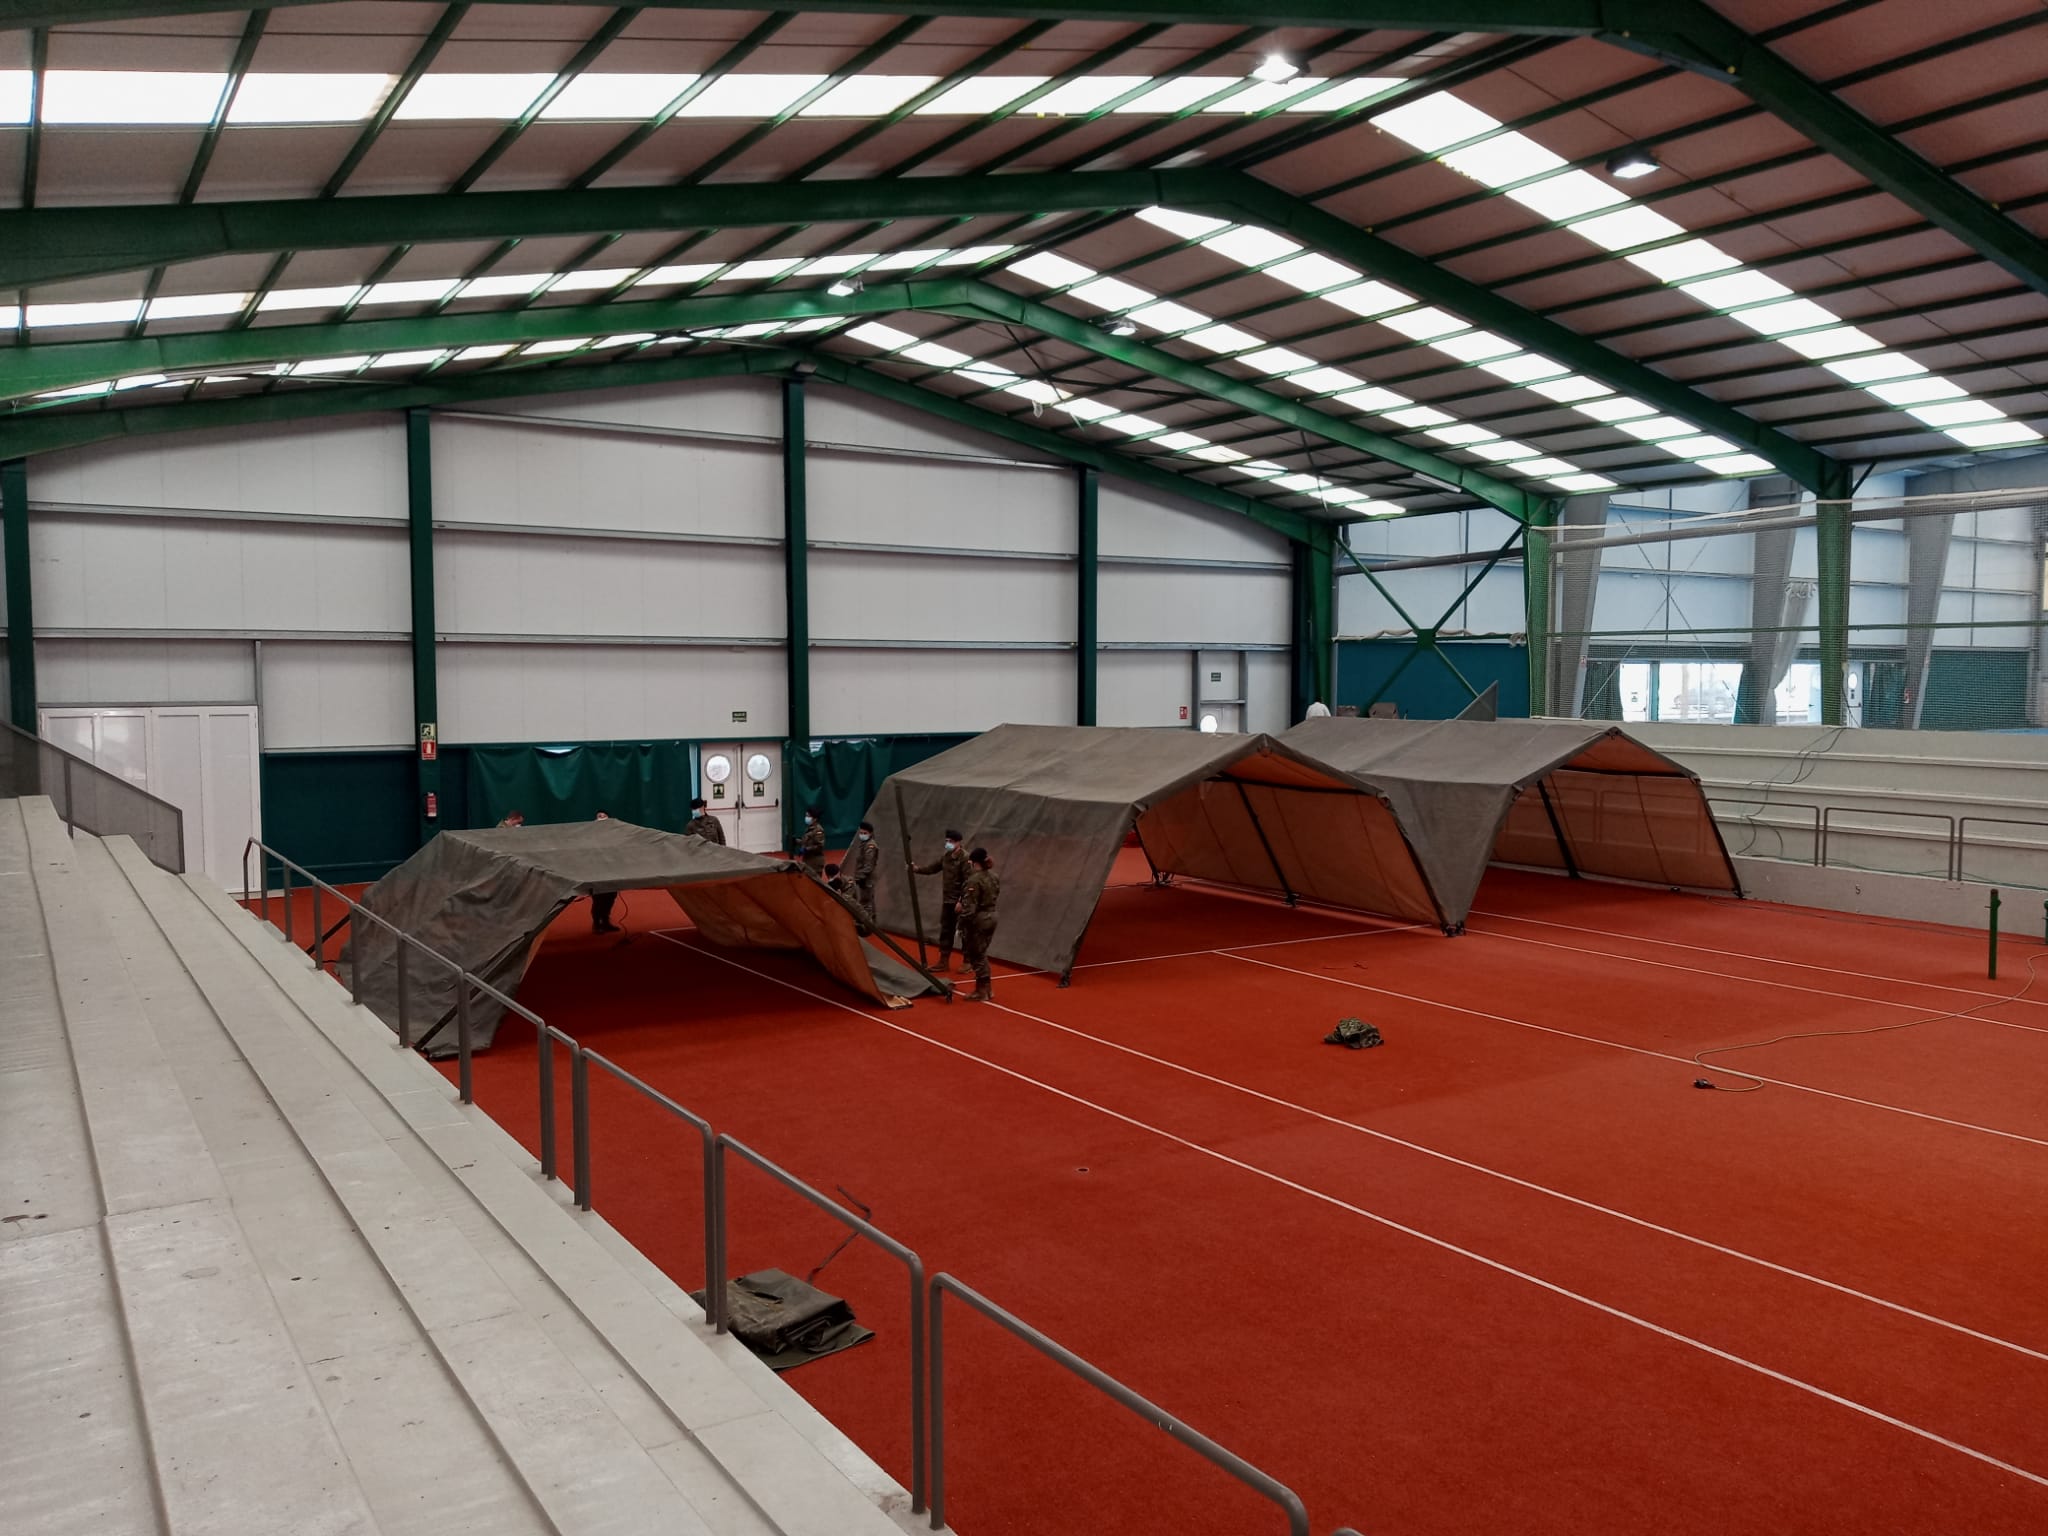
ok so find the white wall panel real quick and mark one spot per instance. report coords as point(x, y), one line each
point(747, 406)
point(937, 503)
point(1146, 687)
point(548, 476)
point(843, 416)
point(1269, 676)
point(860, 595)
point(491, 693)
point(862, 692)
point(1136, 521)
point(536, 584)
point(122, 671)
point(350, 467)
point(336, 693)
point(1207, 607)
point(106, 572)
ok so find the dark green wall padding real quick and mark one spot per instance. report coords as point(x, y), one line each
point(648, 783)
point(840, 777)
point(346, 816)
point(1426, 690)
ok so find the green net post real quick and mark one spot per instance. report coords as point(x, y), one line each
point(1994, 936)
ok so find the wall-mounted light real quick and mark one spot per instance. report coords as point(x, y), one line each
point(844, 287)
point(1628, 164)
point(1276, 67)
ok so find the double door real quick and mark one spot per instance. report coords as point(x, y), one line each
point(741, 781)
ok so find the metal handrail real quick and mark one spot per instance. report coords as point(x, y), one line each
point(1962, 833)
point(1827, 811)
point(68, 813)
point(1769, 805)
point(927, 1384)
point(942, 1284)
point(721, 1145)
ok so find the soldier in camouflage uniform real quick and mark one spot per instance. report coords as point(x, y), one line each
point(978, 921)
point(703, 824)
point(865, 857)
point(951, 866)
point(811, 847)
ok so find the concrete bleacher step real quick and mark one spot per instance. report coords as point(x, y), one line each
point(585, 1468)
point(235, 1435)
point(800, 1472)
point(72, 1459)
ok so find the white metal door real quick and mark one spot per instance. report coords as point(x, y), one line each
point(718, 777)
point(760, 796)
point(1220, 682)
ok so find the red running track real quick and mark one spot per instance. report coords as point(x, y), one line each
point(1510, 1273)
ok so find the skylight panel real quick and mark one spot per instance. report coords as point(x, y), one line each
point(1544, 466)
point(1462, 435)
point(157, 97)
point(313, 365)
point(1342, 94)
point(875, 334)
point(628, 339)
point(1582, 483)
point(1620, 408)
point(1876, 366)
point(1222, 338)
point(1052, 270)
point(1340, 495)
point(1111, 293)
point(307, 98)
point(1743, 287)
point(418, 359)
point(591, 279)
point(1179, 442)
point(898, 261)
point(1420, 416)
point(14, 94)
point(1703, 446)
point(505, 285)
point(686, 272)
point(1374, 399)
point(1277, 360)
point(1841, 341)
point(1433, 122)
point(1259, 95)
point(551, 348)
point(1626, 228)
point(832, 266)
point(1132, 425)
point(194, 306)
point(1504, 158)
point(142, 381)
point(869, 95)
point(2004, 434)
point(1084, 94)
point(1260, 469)
point(988, 375)
point(1567, 196)
point(1189, 226)
point(1735, 464)
point(1178, 95)
point(1686, 259)
point(763, 267)
point(426, 290)
point(972, 254)
point(981, 95)
point(97, 312)
point(1568, 390)
point(496, 98)
point(1216, 453)
point(1505, 451)
point(606, 98)
point(483, 353)
point(1657, 427)
point(939, 357)
point(1326, 381)
point(76, 392)
point(1369, 298)
point(749, 96)
point(1424, 324)
point(1169, 317)
point(1789, 315)
point(1298, 482)
point(815, 323)
point(1524, 368)
point(1250, 246)
point(1035, 390)
point(307, 298)
point(1917, 391)
point(1473, 346)
point(1088, 410)
point(1951, 413)
point(1380, 508)
point(1312, 273)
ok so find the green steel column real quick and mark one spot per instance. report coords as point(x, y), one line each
point(1315, 623)
point(796, 572)
point(1832, 534)
point(21, 628)
point(1536, 601)
point(426, 713)
point(1087, 636)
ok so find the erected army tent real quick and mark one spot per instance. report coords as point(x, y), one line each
point(1569, 795)
point(1054, 803)
point(483, 899)
point(1397, 818)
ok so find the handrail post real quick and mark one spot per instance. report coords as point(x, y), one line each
point(546, 1043)
point(462, 1035)
point(1994, 936)
point(714, 1283)
point(70, 805)
point(318, 945)
point(935, 1347)
point(579, 1124)
point(285, 869)
point(355, 963)
point(404, 1025)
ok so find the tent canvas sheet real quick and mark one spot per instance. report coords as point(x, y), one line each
point(484, 898)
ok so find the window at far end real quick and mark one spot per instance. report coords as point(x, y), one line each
point(718, 768)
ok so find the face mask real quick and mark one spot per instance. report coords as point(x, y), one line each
point(864, 837)
point(952, 847)
point(809, 819)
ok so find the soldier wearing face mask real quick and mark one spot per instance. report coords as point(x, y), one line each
point(811, 847)
point(865, 857)
point(951, 867)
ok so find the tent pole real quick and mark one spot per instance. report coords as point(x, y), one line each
point(1571, 865)
point(1271, 857)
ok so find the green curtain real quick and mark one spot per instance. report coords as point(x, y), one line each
point(841, 777)
point(648, 783)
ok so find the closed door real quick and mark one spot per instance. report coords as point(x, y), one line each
point(742, 783)
point(1220, 681)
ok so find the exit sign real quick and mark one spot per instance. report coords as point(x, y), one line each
point(739, 717)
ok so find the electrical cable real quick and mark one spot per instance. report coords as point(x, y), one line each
point(1700, 1058)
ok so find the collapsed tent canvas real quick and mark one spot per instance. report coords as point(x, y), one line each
point(483, 899)
point(1566, 795)
point(1053, 805)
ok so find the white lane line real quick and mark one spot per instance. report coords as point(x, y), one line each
point(1639, 1050)
point(1715, 1351)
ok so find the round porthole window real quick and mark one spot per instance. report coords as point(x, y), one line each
point(718, 768)
point(758, 767)
point(1209, 724)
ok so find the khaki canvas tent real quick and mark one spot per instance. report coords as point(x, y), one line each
point(483, 899)
point(1395, 818)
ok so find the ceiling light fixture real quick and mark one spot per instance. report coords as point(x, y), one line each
point(845, 287)
point(1276, 67)
point(1120, 325)
point(1628, 164)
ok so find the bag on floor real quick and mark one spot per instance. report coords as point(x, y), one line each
point(1354, 1034)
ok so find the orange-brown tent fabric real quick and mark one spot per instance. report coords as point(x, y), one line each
point(484, 898)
